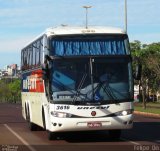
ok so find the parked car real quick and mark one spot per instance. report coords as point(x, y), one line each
point(153, 98)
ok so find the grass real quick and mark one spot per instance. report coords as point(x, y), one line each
point(156, 104)
point(147, 110)
point(148, 104)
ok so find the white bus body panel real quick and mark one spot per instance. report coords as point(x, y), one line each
point(83, 113)
point(81, 123)
point(35, 102)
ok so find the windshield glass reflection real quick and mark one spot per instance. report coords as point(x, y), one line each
point(71, 80)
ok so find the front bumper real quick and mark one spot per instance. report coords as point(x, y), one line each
point(82, 124)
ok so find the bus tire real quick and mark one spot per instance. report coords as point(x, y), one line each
point(115, 134)
point(26, 112)
point(52, 135)
point(43, 119)
point(32, 126)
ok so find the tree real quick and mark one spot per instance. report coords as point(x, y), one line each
point(10, 90)
point(136, 55)
point(4, 91)
point(15, 90)
point(135, 45)
point(149, 57)
point(152, 58)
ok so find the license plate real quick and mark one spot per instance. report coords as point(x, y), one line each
point(94, 124)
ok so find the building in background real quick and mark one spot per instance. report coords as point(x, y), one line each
point(12, 70)
point(136, 93)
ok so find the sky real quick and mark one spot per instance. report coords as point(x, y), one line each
point(22, 20)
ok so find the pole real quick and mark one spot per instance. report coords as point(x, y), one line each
point(86, 18)
point(125, 15)
point(86, 7)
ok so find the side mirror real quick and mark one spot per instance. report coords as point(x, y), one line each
point(138, 72)
point(45, 67)
point(44, 71)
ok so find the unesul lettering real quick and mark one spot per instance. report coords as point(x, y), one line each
point(29, 83)
point(93, 107)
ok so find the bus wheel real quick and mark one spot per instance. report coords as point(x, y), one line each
point(26, 112)
point(32, 126)
point(115, 134)
point(43, 119)
point(52, 135)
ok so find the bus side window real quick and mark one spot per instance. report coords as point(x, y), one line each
point(41, 50)
point(34, 54)
point(30, 56)
point(25, 58)
point(38, 53)
point(22, 60)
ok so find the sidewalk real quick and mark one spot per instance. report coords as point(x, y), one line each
point(147, 114)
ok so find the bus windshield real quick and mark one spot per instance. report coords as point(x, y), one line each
point(71, 80)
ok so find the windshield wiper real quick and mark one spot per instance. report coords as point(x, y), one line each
point(78, 93)
point(93, 103)
point(107, 89)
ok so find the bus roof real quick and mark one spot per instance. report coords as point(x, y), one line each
point(68, 30)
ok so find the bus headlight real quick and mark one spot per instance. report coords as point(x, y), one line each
point(124, 113)
point(60, 114)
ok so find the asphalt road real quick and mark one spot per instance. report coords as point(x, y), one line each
point(16, 136)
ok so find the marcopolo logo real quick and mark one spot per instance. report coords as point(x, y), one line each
point(93, 113)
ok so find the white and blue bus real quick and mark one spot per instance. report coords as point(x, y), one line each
point(77, 79)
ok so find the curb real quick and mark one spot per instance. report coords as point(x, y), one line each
point(147, 114)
